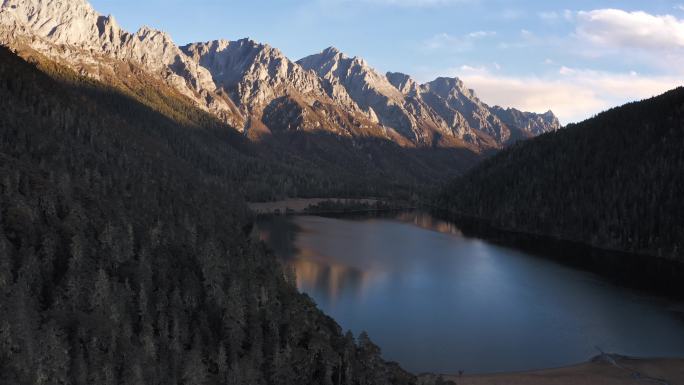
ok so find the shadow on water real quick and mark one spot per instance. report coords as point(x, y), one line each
point(657, 276)
point(440, 295)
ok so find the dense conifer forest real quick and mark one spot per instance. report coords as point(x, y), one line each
point(125, 248)
point(614, 181)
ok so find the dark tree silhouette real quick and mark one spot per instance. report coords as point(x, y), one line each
point(125, 253)
point(615, 181)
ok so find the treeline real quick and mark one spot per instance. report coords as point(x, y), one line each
point(124, 255)
point(332, 206)
point(280, 166)
point(614, 181)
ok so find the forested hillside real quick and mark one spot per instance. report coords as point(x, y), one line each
point(614, 181)
point(124, 248)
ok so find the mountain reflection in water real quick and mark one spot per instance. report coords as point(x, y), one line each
point(324, 274)
point(437, 300)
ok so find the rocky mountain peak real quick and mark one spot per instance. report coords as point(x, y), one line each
point(454, 86)
point(146, 32)
point(108, 27)
point(243, 81)
point(353, 72)
point(331, 51)
point(368, 89)
point(451, 96)
point(63, 21)
point(528, 123)
point(549, 115)
point(252, 73)
point(73, 33)
point(403, 83)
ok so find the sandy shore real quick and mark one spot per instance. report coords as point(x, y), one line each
point(602, 370)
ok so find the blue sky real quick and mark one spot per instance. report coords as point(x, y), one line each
point(574, 57)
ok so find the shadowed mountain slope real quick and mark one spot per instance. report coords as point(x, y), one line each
point(256, 89)
point(125, 254)
point(613, 181)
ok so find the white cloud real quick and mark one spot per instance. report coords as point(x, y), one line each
point(472, 70)
point(638, 39)
point(615, 28)
point(572, 94)
point(481, 34)
point(654, 44)
point(679, 7)
point(456, 43)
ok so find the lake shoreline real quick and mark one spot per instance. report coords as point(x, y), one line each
point(341, 258)
point(649, 273)
point(656, 275)
point(604, 369)
point(321, 206)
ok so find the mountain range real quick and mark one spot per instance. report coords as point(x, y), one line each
point(256, 89)
point(127, 251)
point(125, 247)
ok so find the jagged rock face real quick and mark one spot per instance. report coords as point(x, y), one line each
point(441, 112)
point(403, 82)
point(252, 73)
point(371, 91)
point(254, 86)
point(62, 21)
point(528, 122)
point(450, 96)
point(72, 32)
point(289, 113)
point(436, 111)
point(278, 93)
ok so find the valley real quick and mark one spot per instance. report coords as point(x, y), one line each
point(146, 189)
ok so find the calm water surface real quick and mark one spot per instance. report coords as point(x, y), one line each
point(435, 300)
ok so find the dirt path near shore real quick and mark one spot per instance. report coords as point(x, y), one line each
point(600, 371)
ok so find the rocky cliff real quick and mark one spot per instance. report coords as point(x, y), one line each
point(258, 90)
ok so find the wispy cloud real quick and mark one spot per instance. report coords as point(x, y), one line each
point(481, 34)
point(554, 16)
point(573, 94)
point(526, 38)
point(653, 43)
point(446, 41)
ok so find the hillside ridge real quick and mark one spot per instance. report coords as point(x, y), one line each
point(258, 90)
